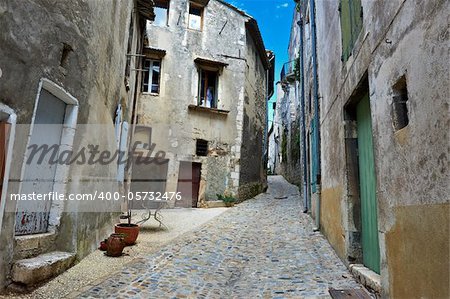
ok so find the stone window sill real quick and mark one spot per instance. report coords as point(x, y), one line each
point(208, 110)
point(153, 94)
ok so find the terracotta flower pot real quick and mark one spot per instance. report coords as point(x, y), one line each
point(104, 245)
point(131, 232)
point(115, 245)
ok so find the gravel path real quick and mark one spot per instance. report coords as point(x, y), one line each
point(262, 248)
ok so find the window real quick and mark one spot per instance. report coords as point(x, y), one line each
point(400, 116)
point(207, 93)
point(152, 72)
point(65, 55)
point(195, 17)
point(351, 25)
point(161, 10)
point(201, 147)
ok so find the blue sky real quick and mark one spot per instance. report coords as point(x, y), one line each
point(274, 19)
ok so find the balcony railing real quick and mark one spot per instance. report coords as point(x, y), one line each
point(288, 71)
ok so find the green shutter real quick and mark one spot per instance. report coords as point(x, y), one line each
point(346, 29)
point(351, 25)
point(356, 19)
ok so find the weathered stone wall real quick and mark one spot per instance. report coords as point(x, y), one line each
point(288, 114)
point(252, 180)
point(273, 148)
point(278, 128)
point(398, 38)
point(34, 34)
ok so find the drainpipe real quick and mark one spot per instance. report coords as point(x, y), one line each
point(302, 113)
point(312, 9)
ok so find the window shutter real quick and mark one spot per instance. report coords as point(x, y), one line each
point(356, 18)
point(346, 29)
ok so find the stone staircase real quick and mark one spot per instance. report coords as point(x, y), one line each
point(37, 260)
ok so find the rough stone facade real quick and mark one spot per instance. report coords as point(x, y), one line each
point(75, 50)
point(286, 118)
point(272, 154)
point(401, 47)
point(232, 46)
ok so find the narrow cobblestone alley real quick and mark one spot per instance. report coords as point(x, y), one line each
point(264, 247)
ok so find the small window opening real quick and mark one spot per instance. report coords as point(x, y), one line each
point(161, 10)
point(208, 88)
point(65, 55)
point(195, 17)
point(400, 118)
point(201, 147)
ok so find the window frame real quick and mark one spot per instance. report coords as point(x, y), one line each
point(202, 70)
point(164, 4)
point(150, 76)
point(202, 13)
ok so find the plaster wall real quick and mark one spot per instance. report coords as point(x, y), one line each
point(34, 35)
point(398, 38)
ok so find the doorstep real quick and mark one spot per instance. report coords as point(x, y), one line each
point(366, 277)
point(214, 204)
point(42, 267)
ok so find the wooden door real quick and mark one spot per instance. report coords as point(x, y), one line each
point(367, 182)
point(39, 176)
point(188, 184)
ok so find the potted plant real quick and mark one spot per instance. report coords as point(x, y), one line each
point(227, 199)
point(129, 230)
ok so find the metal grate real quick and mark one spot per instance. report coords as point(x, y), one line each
point(349, 294)
point(201, 148)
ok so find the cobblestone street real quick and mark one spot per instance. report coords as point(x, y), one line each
point(264, 247)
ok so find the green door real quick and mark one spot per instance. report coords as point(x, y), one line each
point(367, 185)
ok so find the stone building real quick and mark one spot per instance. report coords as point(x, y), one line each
point(286, 118)
point(373, 101)
point(67, 78)
point(202, 102)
